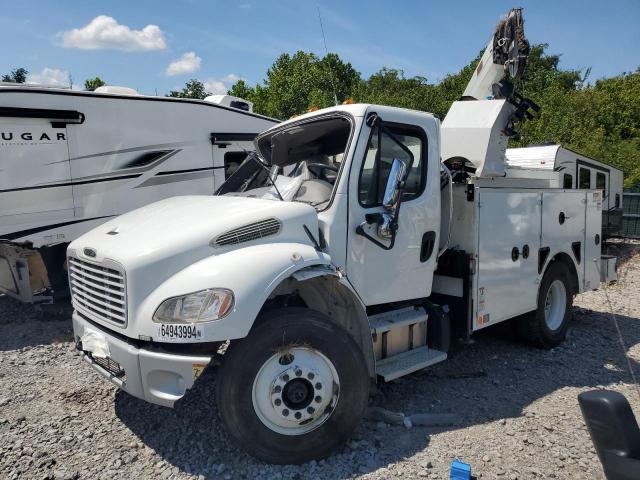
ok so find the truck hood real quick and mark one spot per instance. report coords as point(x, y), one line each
point(179, 231)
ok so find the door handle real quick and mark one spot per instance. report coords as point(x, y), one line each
point(428, 244)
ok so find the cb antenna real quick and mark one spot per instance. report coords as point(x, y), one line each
point(326, 51)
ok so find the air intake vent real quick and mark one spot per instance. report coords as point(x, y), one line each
point(253, 231)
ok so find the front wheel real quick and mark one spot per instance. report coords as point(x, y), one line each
point(294, 389)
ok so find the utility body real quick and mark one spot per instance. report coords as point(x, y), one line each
point(357, 243)
point(69, 161)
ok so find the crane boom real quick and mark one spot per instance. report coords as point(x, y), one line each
point(476, 130)
point(506, 54)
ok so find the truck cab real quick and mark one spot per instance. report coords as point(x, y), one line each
point(352, 228)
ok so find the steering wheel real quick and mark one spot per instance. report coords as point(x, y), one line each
point(321, 170)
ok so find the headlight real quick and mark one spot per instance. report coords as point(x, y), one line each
point(202, 306)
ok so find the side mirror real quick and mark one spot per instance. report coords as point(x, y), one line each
point(395, 185)
point(391, 200)
point(614, 432)
point(273, 172)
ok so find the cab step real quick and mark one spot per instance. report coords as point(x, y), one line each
point(408, 362)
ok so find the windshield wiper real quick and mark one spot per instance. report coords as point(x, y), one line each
point(257, 159)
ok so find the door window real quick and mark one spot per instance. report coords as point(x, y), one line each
point(381, 151)
point(567, 181)
point(584, 179)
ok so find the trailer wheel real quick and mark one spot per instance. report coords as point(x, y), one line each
point(294, 389)
point(547, 326)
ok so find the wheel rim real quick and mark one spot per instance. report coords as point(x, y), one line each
point(555, 304)
point(295, 391)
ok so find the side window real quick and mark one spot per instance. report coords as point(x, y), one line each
point(232, 161)
point(601, 183)
point(584, 178)
point(381, 151)
point(567, 181)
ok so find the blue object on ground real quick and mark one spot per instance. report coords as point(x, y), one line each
point(460, 471)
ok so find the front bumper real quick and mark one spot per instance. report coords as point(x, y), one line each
point(157, 377)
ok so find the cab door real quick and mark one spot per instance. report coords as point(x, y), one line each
point(380, 274)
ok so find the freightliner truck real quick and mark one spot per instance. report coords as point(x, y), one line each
point(357, 244)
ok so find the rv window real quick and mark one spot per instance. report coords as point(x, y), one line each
point(567, 181)
point(232, 161)
point(601, 183)
point(584, 180)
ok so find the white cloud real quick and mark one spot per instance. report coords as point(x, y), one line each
point(105, 32)
point(50, 76)
point(220, 86)
point(188, 63)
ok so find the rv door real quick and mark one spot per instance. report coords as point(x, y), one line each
point(35, 176)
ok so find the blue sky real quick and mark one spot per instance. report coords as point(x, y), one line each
point(220, 41)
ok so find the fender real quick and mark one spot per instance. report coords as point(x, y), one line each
point(326, 290)
point(252, 273)
point(569, 259)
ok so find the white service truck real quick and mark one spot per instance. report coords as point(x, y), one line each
point(343, 251)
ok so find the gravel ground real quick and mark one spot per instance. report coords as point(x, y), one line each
point(519, 416)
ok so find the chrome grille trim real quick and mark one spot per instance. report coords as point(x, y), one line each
point(246, 233)
point(98, 291)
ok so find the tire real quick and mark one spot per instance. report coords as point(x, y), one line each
point(547, 328)
point(306, 346)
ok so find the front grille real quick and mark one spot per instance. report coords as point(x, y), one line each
point(98, 291)
point(246, 233)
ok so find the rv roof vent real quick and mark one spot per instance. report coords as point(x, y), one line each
point(231, 101)
point(113, 90)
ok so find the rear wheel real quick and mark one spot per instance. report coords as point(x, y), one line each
point(294, 389)
point(547, 326)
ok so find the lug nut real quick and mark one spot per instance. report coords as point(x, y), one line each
point(318, 399)
point(310, 375)
point(318, 386)
point(285, 412)
point(277, 389)
point(285, 378)
point(298, 372)
point(310, 410)
point(277, 402)
point(298, 415)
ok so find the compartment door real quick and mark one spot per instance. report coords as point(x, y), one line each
point(592, 240)
point(563, 224)
point(507, 279)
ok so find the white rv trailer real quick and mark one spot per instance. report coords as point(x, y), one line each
point(362, 263)
point(71, 160)
point(576, 171)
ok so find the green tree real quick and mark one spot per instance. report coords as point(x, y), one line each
point(192, 89)
point(90, 84)
point(242, 90)
point(298, 82)
point(18, 75)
